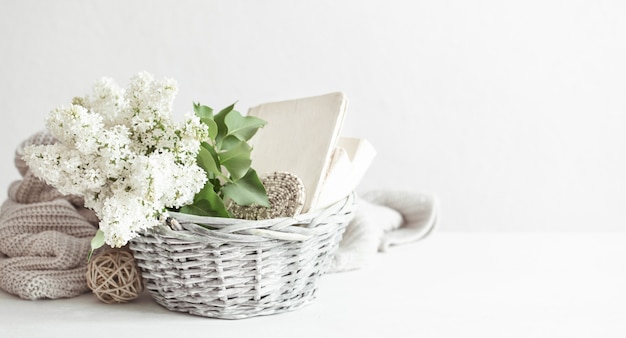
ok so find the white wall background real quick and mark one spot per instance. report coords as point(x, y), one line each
point(512, 112)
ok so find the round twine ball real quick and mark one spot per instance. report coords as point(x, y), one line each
point(113, 276)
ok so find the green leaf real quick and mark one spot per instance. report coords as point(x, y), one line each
point(237, 160)
point(219, 119)
point(206, 208)
point(226, 160)
point(206, 193)
point(205, 114)
point(242, 127)
point(203, 111)
point(96, 242)
point(213, 129)
point(229, 142)
point(246, 191)
point(206, 203)
point(208, 160)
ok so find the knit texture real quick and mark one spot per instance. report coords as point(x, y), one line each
point(384, 218)
point(44, 236)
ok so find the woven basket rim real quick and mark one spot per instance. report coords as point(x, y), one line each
point(297, 228)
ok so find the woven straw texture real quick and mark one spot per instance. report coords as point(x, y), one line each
point(240, 268)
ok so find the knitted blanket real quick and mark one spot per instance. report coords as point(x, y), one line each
point(384, 218)
point(44, 237)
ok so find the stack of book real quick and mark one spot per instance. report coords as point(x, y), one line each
point(303, 137)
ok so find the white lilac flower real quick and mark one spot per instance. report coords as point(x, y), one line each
point(151, 98)
point(123, 153)
point(75, 125)
point(107, 99)
point(123, 216)
point(44, 161)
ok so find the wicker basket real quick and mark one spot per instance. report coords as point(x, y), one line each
point(240, 268)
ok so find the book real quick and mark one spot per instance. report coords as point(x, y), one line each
point(350, 161)
point(300, 137)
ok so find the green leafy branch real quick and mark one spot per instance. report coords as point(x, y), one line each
point(226, 161)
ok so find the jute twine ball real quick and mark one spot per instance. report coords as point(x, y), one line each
point(286, 195)
point(113, 276)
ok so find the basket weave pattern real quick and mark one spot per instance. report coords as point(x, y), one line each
point(240, 268)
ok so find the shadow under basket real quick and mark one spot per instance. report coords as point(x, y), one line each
point(232, 268)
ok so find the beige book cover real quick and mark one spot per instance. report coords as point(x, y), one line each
point(300, 137)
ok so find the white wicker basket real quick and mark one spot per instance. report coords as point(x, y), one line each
point(240, 268)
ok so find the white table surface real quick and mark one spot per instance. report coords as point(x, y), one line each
point(448, 285)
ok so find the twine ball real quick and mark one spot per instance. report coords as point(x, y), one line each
point(114, 277)
point(285, 192)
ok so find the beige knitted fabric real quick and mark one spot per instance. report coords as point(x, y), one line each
point(44, 237)
point(384, 218)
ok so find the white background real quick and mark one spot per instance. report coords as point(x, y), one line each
point(513, 113)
